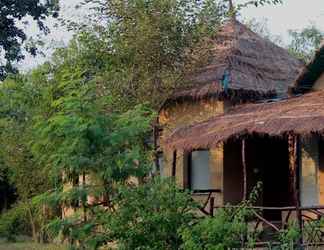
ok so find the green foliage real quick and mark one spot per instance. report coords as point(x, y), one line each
point(289, 237)
point(27, 218)
point(140, 217)
point(12, 36)
point(228, 229)
point(17, 103)
point(257, 3)
point(75, 132)
point(13, 223)
point(304, 43)
point(151, 215)
point(149, 45)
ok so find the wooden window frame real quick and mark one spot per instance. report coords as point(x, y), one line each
point(189, 176)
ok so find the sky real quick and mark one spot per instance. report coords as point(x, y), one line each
point(291, 15)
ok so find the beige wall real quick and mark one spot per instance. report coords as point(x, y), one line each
point(321, 172)
point(313, 163)
point(187, 113)
point(319, 84)
point(309, 171)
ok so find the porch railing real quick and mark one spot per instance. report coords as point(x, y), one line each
point(309, 219)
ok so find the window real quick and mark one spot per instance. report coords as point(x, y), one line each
point(199, 172)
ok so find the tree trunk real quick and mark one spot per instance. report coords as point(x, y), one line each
point(32, 224)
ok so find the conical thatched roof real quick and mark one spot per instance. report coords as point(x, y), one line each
point(254, 67)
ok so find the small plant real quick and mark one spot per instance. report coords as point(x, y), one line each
point(227, 230)
point(288, 238)
point(14, 223)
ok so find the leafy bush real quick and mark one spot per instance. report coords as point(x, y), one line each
point(289, 237)
point(151, 215)
point(13, 223)
point(148, 216)
point(228, 229)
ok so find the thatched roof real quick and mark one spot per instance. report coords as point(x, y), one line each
point(300, 115)
point(256, 68)
point(310, 73)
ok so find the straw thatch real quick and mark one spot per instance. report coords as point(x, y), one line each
point(310, 73)
point(299, 115)
point(256, 67)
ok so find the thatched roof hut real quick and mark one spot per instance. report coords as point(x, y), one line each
point(312, 71)
point(301, 115)
point(243, 65)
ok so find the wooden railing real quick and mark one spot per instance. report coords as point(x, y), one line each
point(309, 219)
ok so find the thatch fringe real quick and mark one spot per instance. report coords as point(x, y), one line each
point(236, 96)
point(302, 115)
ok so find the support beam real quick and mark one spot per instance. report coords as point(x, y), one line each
point(244, 169)
point(293, 144)
point(174, 164)
point(293, 165)
point(155, 140)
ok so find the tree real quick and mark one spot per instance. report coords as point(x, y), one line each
point(304, 43)
point(19, 101)
point(12, 36)
point(151, 44)
point(301, 43)
point(155, 45)
point(88, 113)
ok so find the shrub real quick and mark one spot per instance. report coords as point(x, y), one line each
point(228, 229)
point(150, 216)
point(14, 223)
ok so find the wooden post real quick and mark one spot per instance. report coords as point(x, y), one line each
point(155, 140)
point(293, 141)
point(292, 149)
point(174, 163)
point(244, 169)
point(211, 206)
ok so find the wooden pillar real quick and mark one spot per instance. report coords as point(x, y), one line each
point(244, 169)
point(293, 165)
point(174, 164)
point(155, 140)
point(211, 206)
point(293, 144)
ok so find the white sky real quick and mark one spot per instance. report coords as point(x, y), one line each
point(293, 14)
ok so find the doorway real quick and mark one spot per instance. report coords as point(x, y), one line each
point(267, 162)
